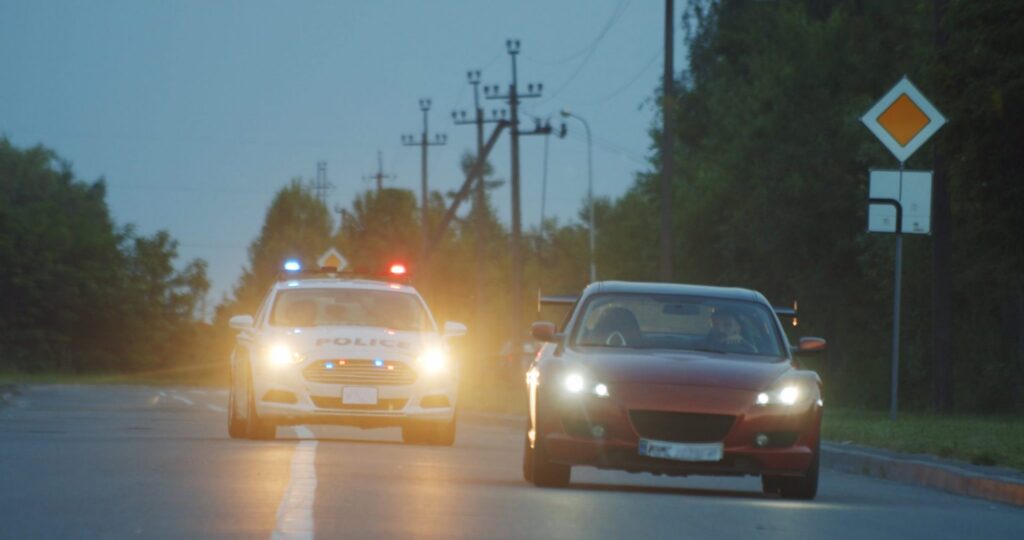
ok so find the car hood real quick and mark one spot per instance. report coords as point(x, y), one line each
point(682, 368)
point(352, 342)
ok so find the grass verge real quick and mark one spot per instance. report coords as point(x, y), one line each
point(980, 440)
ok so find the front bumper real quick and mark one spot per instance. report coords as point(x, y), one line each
point(569, 434)
point(285, 396)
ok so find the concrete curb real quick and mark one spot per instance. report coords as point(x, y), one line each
point(989, 483)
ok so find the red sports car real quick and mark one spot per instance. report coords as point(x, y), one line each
point(673, 379)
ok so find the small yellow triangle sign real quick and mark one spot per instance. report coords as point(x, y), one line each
point(332, 259)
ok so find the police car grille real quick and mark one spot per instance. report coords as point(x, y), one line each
point(359, 372)
point(681, 427)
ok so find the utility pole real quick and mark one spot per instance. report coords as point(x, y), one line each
point(667, 111)
point(512, 98)
point(480, 198)
point(440, 139)
point(379, 176)
point(942, 251)
point(321, 185)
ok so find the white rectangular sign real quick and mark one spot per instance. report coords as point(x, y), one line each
point(358, 395)
point(681, 451)
point(914, 194)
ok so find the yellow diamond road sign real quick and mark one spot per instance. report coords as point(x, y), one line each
point(332, 259)
point(903, 119)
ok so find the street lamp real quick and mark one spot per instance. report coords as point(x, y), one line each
point(590, 188)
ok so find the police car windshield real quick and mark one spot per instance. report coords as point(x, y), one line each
point(349, 307)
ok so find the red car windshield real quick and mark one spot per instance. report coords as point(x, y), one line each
point(678, 322)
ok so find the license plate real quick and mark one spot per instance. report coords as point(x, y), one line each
point(681, 451)
point(358, 395)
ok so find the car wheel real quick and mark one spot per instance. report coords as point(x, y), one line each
point(545, 472)
point(802, 487)
point(429, 433)
point(527, 460)
point(255, 427)
point(236, 424)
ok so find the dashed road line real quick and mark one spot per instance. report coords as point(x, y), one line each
point(182, 399)
point(216, 408)
point(295, 514)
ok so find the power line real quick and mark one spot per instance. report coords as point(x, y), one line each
point(633, 79)
point(599, 142)
point(619, 8)
point(593, 48)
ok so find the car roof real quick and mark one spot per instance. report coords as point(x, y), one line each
point(638, 287)
point(343, 283)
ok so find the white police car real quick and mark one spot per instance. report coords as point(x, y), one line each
point(331, 348)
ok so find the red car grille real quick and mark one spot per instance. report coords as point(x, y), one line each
point(359, 372)
point(681, 427)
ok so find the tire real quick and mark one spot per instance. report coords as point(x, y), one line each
point(546, 473)
point(804, 487)
point(429, 433)
point(236, 424)
point(527, 460)
point(256, 428)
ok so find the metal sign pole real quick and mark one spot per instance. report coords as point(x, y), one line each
point(902, 120)
point(895, 378)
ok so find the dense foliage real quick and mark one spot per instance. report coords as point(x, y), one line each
point(771, 181)
point(78, 293)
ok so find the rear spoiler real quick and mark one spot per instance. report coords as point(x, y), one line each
point(555, 300)
point(785, 312)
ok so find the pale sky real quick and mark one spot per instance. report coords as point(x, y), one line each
point(197, 112)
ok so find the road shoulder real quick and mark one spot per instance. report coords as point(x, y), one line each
point(996, 484)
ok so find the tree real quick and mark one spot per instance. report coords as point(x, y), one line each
point(78, 293)
point(297, 225)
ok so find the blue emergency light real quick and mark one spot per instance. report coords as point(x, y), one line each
point(292, 265)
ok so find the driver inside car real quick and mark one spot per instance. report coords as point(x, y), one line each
point(301, 313)
point(726, 333)
point(617, 327)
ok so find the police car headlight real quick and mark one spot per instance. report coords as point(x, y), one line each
point(283, 355)
point(432, 361)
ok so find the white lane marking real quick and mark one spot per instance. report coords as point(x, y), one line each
point(182, 399)
point(295, 515)
point(163, 394)
point(216, 408)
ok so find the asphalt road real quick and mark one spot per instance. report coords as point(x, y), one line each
point(124, 462)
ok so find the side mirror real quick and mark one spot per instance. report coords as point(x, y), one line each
point(454, 329)
point(544, 331)
point(809, 346)
point(241, 322)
